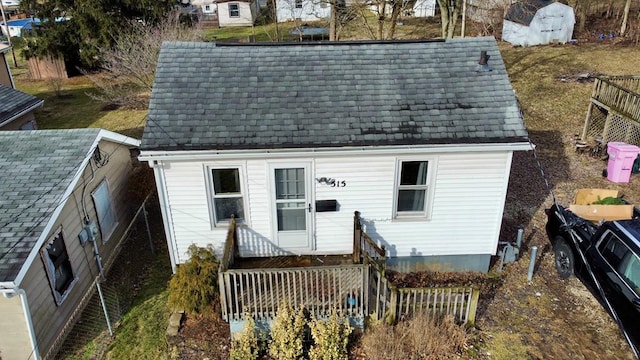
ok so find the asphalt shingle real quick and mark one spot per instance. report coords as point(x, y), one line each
point(221, 96)
point(14, 102)
point(36, 167)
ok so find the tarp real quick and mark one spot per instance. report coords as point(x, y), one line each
point(551, 23)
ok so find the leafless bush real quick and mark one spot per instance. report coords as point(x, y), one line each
point(128, 67)
point(420, 338)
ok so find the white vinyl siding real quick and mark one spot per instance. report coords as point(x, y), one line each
point(303, 10)
point(468, 188)
point(104, 208)
point(236, 13)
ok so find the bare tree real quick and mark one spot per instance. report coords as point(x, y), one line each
point(386, 13)
point(625, 17)
point(128, 67)
point(449, 13)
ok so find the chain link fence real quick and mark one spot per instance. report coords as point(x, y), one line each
point(124, 277)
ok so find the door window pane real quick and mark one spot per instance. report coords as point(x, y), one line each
point(291, 216)
point(289, 183)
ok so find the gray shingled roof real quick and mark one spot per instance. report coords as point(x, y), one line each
point(221, 96)
point(14, 102)
point(36, 167)
point(524, 11)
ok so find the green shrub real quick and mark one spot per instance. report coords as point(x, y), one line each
point(194, 286)
point(287, 334)
point(331, 338)
point(245, 347)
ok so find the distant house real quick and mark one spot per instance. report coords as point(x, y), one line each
point(63, 209)
point(538, 22)
point(291, 140)
point(302, 10)
point(17, 109)
point(207, 7)
point(236, 12)
point(423, 8)
point(16, 27)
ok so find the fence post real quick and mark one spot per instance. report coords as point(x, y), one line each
point(146, 222)
point(357, 229)
point(104, 307)
point(473, 306)
point(393, 305)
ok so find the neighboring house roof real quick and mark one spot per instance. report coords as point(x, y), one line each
point(21, 22)
point(38, 171)
point(342, 94)
point(15, 103)
point(523, 12)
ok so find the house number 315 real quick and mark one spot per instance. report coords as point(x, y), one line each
point(337, 183)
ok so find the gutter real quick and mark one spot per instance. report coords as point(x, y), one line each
point(10, 293)
point(31, 108)
point(306, 152)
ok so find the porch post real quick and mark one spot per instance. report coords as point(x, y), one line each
point(357, 229)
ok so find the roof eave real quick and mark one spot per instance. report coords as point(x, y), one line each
point(153, 155)
point(22, 113)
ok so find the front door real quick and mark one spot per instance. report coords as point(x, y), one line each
point(292, 206)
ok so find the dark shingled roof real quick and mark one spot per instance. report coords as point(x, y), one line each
point(523, 11)
point(36, 167)
point(310, 95)
point(14, 102)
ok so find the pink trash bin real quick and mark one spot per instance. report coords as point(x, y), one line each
point(621, 158)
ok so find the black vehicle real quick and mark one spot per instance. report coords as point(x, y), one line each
point(612, 251)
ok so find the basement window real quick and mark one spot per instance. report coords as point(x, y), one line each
point(58, 267)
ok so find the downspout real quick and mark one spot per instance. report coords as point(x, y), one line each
point(164, 207)
point(9, 293)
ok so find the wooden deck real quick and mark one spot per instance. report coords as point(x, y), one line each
point(614, 110)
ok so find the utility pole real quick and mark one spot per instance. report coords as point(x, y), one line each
point(464, 16)
point(6, 25)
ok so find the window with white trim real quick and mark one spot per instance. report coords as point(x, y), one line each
point(411, 198)
point(58, 267)
point(234, 10)
point(227, 198)
point(104, 208)
point(207, 8)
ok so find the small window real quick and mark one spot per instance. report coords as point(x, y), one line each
point(207, 8)
point(104, 209)
point(298, 4)
point(58, 267)
point(227, 194)
point(411, 196)
point(234, 10)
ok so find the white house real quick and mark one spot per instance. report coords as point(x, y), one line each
point(237, 12)
point(538, 22)
point(292, 139)
point(302, 10)
point(207, 7)
point(424, 8)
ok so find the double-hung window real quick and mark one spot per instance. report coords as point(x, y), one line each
point(227, 194)
point(234, 10)
point(58, 266)
point(412, 189)
point(104, 208)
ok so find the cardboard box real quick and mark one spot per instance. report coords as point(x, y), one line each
point(583, 208)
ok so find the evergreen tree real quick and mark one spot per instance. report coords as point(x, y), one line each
point(78, 29)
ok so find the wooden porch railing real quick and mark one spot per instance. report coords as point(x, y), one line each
point(358, 290)
point(620, 94)
point(320, 289)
